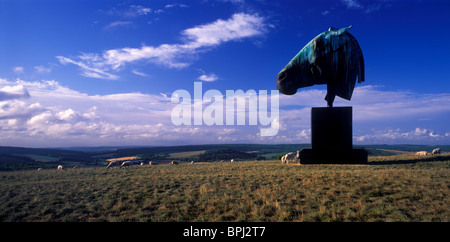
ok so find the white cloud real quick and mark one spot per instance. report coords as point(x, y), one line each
point(239, 26)
point(67, 115)
point(208, 77)
point(42, 69)
point(369, 8)
point(399, 136)
point(87, 69)
point(163, 55)
point(198, 39)
point(42, 118)
point(139, 73)
point(18, 69)
point(140, 10)
point(18, 110)
point(117, 24)
point(176, 5)
point(352, 4)
point(132, 11)
point(13, 92)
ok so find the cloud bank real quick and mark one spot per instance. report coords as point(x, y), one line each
point(47, 114)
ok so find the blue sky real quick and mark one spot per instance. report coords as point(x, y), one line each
point(76, 73)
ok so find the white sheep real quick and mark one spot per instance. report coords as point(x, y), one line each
point(283, 159)
point(436, 151)
point(422, 153)
point(130, 163)
point(173, 163)
point(60, 167)
point(289, 157)
point(113, 163)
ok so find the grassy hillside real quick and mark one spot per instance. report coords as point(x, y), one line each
point(389, 188)
point(17, 158)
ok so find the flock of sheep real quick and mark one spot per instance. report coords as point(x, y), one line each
point(137, 162)
point(289, 157)
point(141, 162)
point(436, 151)
point(129, 163)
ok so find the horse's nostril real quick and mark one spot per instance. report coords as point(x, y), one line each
point(282, 76)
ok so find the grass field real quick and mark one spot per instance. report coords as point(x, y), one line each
point(42, 158)
point(389, 188)
point(187, 154)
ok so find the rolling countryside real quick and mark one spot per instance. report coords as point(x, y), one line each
point(395, 185)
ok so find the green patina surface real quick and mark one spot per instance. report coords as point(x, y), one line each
point(334, 57)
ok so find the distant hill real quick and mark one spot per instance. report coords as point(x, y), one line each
point(396, 149)
point(18, 158)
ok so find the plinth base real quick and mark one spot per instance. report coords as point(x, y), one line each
point(347, 156)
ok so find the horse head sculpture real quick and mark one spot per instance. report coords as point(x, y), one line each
point(333, 58)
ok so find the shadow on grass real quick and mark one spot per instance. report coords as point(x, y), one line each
point(395, 160)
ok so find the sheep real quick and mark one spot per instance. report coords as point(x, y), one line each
point(421, 153)
point(130, 163)
point(436, 151)
point(173, 163)
point(60, 167)
point(192, 162)
point(113, 163)
point(232, 160)
point(152, 163)
point(39, 169)
point(289, 156)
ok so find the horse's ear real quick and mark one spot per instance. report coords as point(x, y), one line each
point(343, 30)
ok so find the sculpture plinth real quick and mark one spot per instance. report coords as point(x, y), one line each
point(331, 138)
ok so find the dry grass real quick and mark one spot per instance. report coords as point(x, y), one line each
point(394, 188)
